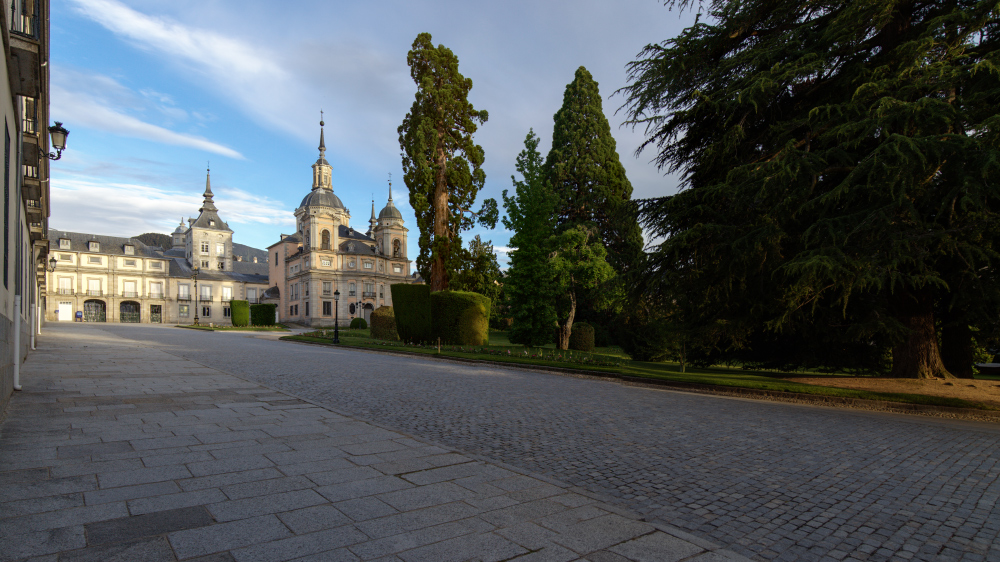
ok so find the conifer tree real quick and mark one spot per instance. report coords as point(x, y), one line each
point(586, 174)
point(481, 273)
point(528, 286)
point(442, 166)
point(840, 166)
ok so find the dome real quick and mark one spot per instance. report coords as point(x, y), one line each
point(390, 212)
point(322, 198)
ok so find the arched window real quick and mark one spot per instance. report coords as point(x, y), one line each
point(396, 250)
point(326, 240)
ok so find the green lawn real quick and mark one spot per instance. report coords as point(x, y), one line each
point(615, 362)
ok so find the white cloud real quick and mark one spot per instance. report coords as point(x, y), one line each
point(503, 249)
point(124, 209)
point(100, 102)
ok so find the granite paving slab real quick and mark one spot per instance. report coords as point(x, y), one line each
point(117, 450)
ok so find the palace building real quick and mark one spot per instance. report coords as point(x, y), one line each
point(113, 279)
point(326, 255)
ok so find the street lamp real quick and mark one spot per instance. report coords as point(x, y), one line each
point(336, 317)
point(194, 276)
point(58, 134)
point(52, 263)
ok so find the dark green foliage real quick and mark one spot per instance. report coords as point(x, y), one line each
point(240, 311)
point(584, 172)
point(840, 165)
point(644, 333)
point(481, 274)
point(582, 338)
point(384, 324)
point(358, 323)
point(529, 290)
point(262, 314)
point(442, 166)
point(156, 240)
point(461, 318)
point(412, 307)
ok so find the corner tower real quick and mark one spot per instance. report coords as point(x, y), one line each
point(321, 213)
point(209, 241)
point(389, 232)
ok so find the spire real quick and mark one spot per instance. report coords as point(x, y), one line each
point(373, 209)
point(208, 204)
point(322, 143)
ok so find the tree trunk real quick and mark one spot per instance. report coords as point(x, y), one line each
point(917, 356)
point(566, 326)
point(439, 274)
point(958, 352)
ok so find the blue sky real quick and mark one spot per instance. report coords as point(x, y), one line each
point(151, 91)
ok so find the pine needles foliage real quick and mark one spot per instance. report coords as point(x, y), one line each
point(840, 164)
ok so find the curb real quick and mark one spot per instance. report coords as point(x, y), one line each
point(718, 390)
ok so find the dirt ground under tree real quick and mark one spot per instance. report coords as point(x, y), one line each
point(978, 390)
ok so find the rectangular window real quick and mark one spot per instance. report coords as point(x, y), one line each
point(252, 295)
point(155, 265)
point(94, 287)
point(220, 249)
point(94, 259)
point(184, 310)
point(327, 287)
point(307, 308)
point(327, 308)
point(204, 264)
point(94, 246)
point(64, 243)
point(204, 247)
point(65, 257)
point(129, 250)
point(326, 262)
point(129, 263)
point(227, 294)
point(368, 265)
point(184, 291)
point(226, 312)
point(129, 289)
point(206, 293)
point(156, 290)
point(291, 310)
point(206, 311)
point(396, 268)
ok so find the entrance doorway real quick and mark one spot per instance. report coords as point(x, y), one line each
point(367, 311)
point(95, 311)
point(65, 312)
point(129, 312)
point(156, 313)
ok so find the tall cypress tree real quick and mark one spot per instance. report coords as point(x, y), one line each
point(841, 163)
point(442, 166)
point(586, 174)
point(528, 285)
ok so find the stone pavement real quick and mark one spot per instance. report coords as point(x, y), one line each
point(768, 480)
point(120, 451)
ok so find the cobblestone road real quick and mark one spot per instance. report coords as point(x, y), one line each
point(771, 481)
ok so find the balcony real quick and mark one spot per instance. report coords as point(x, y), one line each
point(183, 297)
point(34, 208)
point(253, 300)
point(130, 294)
point(368, 295)
point(156, 295)
point(205, 298)
point(352, 293)
point(63, 291)
point(95, 293)
point(24, 18)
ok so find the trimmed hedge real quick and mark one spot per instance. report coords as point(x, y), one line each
point(411, 305)
point(262, 314)
point(582, 337)
point(384, 324)
point(461, 318)
point(358, 323)
point(240, 311)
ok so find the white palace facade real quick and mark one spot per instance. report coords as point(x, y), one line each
point(326, 255)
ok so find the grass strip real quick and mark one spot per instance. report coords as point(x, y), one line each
point(235, 328)
point(721, 377)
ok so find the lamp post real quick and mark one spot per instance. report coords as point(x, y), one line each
point(194, 276)
point(57, 134)
point(336, 317)
point(52, 264)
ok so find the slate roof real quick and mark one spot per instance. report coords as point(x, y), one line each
point(322, 197)
point(248, 254)
point(111, 245)
point(179, 268)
